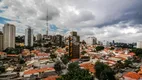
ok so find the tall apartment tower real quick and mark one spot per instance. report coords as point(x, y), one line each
point(29, 37)
point(39, 37)
point(91, 40)
point(9, 31)
point(1, 41)
point(59, 40)
point(74, 45)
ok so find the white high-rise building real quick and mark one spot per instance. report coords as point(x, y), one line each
point(106, 43)
point(29, 37)
point(139, 44)
point(91, 40)
point(39, 37)
point(9, 31)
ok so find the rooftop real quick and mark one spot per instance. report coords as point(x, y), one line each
point(51, 77)
point(132, 75)
point(32, 71)
point(88, 66)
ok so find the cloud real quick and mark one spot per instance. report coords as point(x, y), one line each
point(106, 20)
point(112, 11)
point(48, 12)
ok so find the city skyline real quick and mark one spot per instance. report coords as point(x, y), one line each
point(113, 20)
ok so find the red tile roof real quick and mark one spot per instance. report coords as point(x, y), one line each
point(12, 55)
point(74, 60)
point(42, 54)
point(1, 53)
point(132, 54)
point(32, 71)
point(51, 78)
point(45, 69)
point(111, 62)
point(43, 58)
point(132, 75)
point(88, 66)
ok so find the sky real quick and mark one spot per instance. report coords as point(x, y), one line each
point(119, 20)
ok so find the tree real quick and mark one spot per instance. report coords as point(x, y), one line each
point(83, 52)
point(138, 52)
point(73, 67)
point(103, 71)
point(2, 69)
point(76, 73)
point(112, 48)
point(58, 67)
point(65, 59)
point(11, 50)
point(99, 48)
point(53, 55)
point(127, 63)
point(119, 65)
point(22, 61)
point(29, 47)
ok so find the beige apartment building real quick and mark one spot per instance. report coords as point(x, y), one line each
point(9, 31)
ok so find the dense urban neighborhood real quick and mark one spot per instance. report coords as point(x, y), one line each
point(70, 39)
point(55, 57)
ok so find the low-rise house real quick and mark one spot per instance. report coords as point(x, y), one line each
point(140, 72)
point(30, 72)
point(14, 56)
point(26, 52)
point(8, 75)
point(3, 55)
point(114, 59)
point(131, 76)
point(41, 55)
point(124, 56)
point(89, 66)
point(51, 77)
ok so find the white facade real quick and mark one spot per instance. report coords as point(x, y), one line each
point(91, 40)
point(29, 37)
point(106, 43)
point(38, 37)
point(9, 31)
point(139, 44)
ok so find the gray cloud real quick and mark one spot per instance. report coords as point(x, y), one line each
point(105, 19)
point(112, 11)
point(83, 16)
point(49, 12)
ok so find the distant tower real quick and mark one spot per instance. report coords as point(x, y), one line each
point(29, 37)
point(47, 26)
point(113, 42)
point(74, 45)
point(1, 41)
point(9, 31)
point(47, 30)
